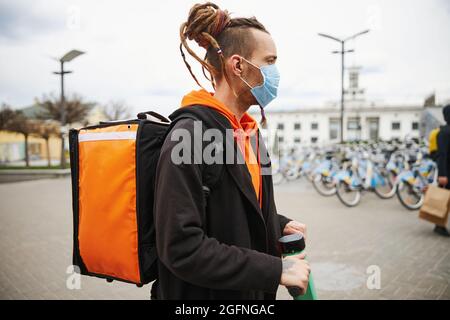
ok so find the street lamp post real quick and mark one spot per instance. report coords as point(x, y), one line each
point(69, 56)
point(342, 52)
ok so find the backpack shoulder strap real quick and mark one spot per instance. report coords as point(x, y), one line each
point(212, 173)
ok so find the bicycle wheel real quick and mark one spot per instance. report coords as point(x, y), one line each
point(292, 174)
point(409, 197)
point(324, 185)
point(385, 188)
point(309, 176)
point(392, 177)
point(347, 195)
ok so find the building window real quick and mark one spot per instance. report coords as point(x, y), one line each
point(314, 139)
point(280, 126)
point(314, 126)
point(395, 125)
point(297, 126)
point(353, 124)
point(415, 125)
point(280, 139)
point(297, 140)
point(335, 125)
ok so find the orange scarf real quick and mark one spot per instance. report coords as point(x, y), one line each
point(243, 129)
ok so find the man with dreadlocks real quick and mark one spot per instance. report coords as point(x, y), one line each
point(219, 240)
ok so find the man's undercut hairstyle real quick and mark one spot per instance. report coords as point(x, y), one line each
point(222, 36)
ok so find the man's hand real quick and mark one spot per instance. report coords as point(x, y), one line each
point(295, 272)
point(294, 227)
point(442, 181)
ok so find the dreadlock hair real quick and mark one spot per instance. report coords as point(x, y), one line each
point(222, 36)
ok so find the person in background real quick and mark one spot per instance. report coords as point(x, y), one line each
point(432, 144)
point(443, 160)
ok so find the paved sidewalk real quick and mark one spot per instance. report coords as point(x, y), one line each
point(36, 244)
point(344, 243)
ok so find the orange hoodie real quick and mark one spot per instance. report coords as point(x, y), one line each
point(242, 131)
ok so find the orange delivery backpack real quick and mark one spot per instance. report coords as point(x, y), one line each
point(113, 168)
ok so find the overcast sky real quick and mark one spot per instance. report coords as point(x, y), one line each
point(132, 49)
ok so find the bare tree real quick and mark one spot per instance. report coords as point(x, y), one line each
point(116, 110)
point(21, 124)
point(6, 114)
point(45, 130)
point(76, 110)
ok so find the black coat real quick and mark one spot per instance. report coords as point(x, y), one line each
point(443, 142)
point(218, 247)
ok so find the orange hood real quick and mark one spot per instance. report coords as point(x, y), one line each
point(203, 97)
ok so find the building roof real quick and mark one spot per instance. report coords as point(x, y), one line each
point(34, 110)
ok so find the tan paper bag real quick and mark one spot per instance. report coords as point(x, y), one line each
point(435, 206)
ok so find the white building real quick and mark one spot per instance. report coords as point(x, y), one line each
point(363, 120)
point(322, 125)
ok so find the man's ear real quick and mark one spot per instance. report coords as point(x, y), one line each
point(236, 64)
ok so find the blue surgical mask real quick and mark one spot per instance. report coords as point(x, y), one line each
point(267, 91)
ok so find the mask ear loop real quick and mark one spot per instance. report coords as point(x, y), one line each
point(263, 121)
point(245, 81)
point(256, 68)
point(252, 63)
